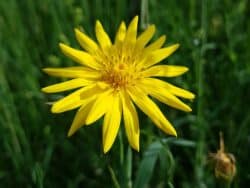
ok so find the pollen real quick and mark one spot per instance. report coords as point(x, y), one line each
point(120, 70)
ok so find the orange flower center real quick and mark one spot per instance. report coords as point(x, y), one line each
point(120, 69)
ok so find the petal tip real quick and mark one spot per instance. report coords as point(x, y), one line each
point(186, 108)
point(70, 132)
point(153, 28)
point(175, 133)
point(191, 95)
point(123, 24)
point(44, 69)
point(98, 23)
point(44, 89)
point(54, 109)
point(135, 145)
point(185, 69)
point(136, 18)
point(88, 120)
point(62, 46)
point(137, 148)
point(77, 30)
point(106, 149)
point(172, 132)
point(176, 46)
point(162, 38)
point(98, 26)
point(134, 21)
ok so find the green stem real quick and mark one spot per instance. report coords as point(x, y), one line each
point(129, 167)
point(112, 173)
point(121, 148)
point(200, 82)
point(144, 14)
point(228, 184)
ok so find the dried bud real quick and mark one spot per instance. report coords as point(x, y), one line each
point(224, 163)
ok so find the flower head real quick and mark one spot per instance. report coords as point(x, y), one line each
point(114, 77)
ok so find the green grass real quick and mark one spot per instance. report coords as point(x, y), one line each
point(35, 152)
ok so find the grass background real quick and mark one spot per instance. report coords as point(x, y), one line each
point(34, 150)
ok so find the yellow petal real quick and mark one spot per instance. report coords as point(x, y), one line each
point(75, 99)
point(68, 103)
point(163, 95)
point(158, 55)
point(131, 121)
point(64, 86)
point(132, 31)
point(152, 110)
point(73, 72)
point(98, 88)
point(80, 117)
point(80, 56)
point(99, 107)
point(121, 34)
point(165, 71)
point(155, 45)
point(145, 37)
point(179, 92)
point(173, 89)
point(111, 123)
point(86, 43)
point(102, 36)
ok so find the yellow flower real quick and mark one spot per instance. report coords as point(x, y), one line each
point(112, 77)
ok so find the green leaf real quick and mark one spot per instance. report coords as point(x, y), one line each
point(147, 165)
point(180, 142)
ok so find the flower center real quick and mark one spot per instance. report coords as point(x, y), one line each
point(120, 70)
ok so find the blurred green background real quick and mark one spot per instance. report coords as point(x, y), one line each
point(34, 150)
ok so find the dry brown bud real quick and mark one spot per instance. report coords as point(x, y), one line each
point(224, 163)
